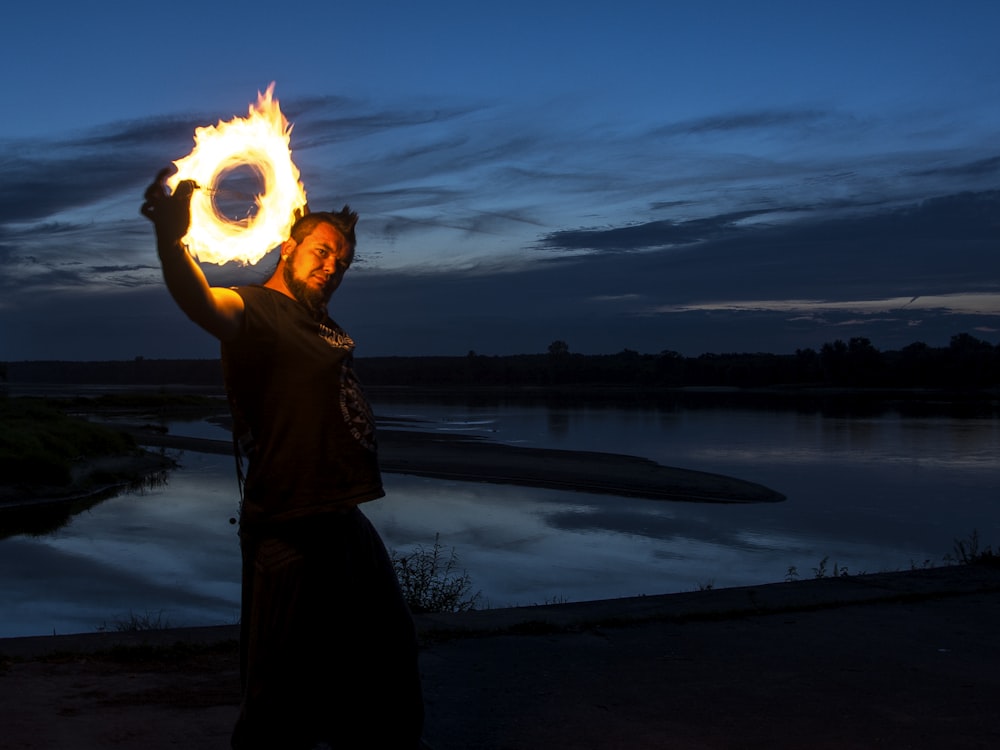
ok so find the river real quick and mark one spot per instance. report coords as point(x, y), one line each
point(883, 489)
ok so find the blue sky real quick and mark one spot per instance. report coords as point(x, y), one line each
point(697, 177)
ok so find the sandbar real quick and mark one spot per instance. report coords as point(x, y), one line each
point(476, 460)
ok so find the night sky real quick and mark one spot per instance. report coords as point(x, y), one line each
point(696, 177)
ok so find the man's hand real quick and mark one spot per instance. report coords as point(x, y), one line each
point(170, 213)
point(218, 310)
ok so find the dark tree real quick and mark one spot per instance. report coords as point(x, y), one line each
point(558, 348)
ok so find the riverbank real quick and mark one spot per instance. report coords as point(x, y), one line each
point(414, 452)
point(51, 458)
point(37, 507)
point(466, 459)
point(890, 660)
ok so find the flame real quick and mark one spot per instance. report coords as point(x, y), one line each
point(259, 141)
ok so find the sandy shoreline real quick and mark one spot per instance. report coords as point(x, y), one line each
point(425, 454)
point(469, 459)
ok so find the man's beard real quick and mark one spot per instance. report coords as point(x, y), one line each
point(315, 300)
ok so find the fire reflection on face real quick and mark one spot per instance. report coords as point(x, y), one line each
point(313, 268)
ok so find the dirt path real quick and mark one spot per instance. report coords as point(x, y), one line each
point(906, 660)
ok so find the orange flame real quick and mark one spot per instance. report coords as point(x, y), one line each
point(259, 141)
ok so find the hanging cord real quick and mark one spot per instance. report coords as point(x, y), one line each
point(243, 446)
point(240, 476)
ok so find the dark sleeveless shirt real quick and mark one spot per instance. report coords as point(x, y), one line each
point(299, 412)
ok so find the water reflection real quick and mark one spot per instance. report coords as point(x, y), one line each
point(558, 423)
point(46, 517)
point(868, 493)
point(527, 549)
point(170, 550)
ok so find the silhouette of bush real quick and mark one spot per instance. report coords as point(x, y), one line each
point(431, 581)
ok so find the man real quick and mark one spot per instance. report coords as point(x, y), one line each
point(328, 650)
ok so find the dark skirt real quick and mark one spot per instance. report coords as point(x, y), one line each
point(328, 651)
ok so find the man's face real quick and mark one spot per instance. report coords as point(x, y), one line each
point(315, 267)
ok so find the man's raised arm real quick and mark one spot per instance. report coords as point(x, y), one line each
point(219, 311)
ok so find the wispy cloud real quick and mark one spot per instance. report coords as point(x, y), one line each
point(959, 303)
point(654, 234)
point(610, 235)
point(751, 121)
point(988, 167)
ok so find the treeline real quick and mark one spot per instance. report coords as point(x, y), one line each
point(967, 362)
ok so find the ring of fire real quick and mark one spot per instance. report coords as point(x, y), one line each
point(259, 141)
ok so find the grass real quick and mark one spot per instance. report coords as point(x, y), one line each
point(137, 623)
point(967, 551)
point(148, 654)
point(431, 581)
point(39, 444)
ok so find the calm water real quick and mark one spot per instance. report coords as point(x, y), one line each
point(868, 493)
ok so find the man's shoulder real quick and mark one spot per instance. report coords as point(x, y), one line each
point(262, 312)
point(250, 290)
point(262, 298)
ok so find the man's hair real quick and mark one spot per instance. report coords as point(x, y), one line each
point(343, 221)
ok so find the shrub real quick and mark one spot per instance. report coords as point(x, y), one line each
point(969, 551)
point(431, 581)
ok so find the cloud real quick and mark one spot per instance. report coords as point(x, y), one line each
point(879, 273)
point(958, 303)
point(500, 230)
point(654, 234)
point(700, 298)
point(987, 167)
point(312, 131)
point(904, 251)
point(45, 179)
point(759, 120)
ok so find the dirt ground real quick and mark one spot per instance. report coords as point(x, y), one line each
point(906, 660)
